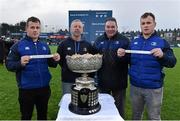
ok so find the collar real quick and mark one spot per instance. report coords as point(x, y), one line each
point(113, 37)
point(30, 39)
point(75, 40)
point(153, 34)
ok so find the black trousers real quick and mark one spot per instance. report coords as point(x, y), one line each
point(1, 52)
point(119, 97)
point(28, 98)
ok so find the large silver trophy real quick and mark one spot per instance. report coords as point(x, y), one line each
point(84, 93)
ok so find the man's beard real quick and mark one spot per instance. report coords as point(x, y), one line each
point(77, 33)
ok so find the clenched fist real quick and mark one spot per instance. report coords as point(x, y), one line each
point(24, 60)
point(121, 52)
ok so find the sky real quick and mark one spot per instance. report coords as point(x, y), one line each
point(54, 13)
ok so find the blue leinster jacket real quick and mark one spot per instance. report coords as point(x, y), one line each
point(146, 71)
point(35, 74)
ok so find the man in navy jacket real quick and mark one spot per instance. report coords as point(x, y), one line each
point(72, 45)
point(112, 76)
point(146, 70)
point(32, 75)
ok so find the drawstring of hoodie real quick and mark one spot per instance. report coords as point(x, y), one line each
point(76, 48)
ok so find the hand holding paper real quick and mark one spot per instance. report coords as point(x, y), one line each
point(25, 60)
point(121, 52)
point(56, 57)
point(157, 52)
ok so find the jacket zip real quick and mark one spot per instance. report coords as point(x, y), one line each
point(141, 56)
point(38, 64)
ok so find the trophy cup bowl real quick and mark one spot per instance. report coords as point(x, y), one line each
point(85, 63)
point(84, 93)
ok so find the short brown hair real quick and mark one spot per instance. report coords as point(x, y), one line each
point(33, 19)
point(111, 19)
point(145, 15)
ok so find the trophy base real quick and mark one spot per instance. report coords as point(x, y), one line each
point(84, 100)
point(84, 111)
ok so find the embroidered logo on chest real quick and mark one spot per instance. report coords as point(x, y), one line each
point(117, 42)
point(44, 48)
point(27, 48)
point(153, 43)
point(68, 48)
point(85, 49)
point(102, 43)
point(135, 43)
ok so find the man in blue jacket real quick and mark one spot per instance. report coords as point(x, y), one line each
point(32, 75)
point(112, 76)
point(72, 45)
point(146, 70)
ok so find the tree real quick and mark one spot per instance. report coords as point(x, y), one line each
point(22, 25)
point(4, 28)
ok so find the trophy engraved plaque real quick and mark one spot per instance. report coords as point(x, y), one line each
point(84, 93)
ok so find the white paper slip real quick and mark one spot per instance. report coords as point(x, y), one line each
point(40, 56)
point(138, 51)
